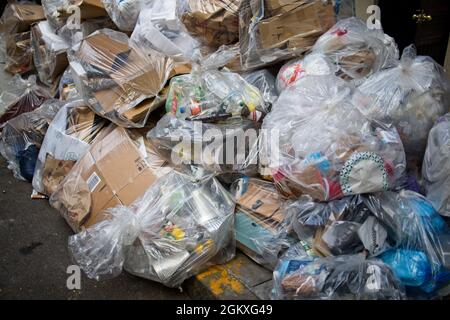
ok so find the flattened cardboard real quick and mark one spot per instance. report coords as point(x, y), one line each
point(27, 14)
point(120, 172)
point(261, 199)
point(309, 20)
point(89, 9)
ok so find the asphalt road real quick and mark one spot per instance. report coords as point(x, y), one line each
point(34, 256)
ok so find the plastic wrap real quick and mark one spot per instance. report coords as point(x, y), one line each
point(22, 137)
point(94, 185)
point(315, 64)
point(420, 239)
point(125, 13)
point(213, 22)
point(316, 141)
point(412, 95)
point(67, 89)
point(264, 81)
point(262, 232)
point(57, 12)
point(68, 138)
point(18, 17)
point(212, 95)
point(119, 81)
point(356, 50)
point(18, 53)
point(49, 52)
point(169, 234)
point(300, 276)
point(21, 96)
point(183, 143)
point(160, 28)
point(343, 226)
point(272, 30)
point(436, 166)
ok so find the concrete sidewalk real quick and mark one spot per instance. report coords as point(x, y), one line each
point(34, 256)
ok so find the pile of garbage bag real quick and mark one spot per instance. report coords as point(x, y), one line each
point(171, 134)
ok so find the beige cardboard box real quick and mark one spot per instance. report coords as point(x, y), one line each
point(112, 172)
point(307, 21)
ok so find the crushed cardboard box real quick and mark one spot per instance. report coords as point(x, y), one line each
point(114, 171)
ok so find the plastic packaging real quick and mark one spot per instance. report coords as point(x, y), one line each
point(171, 233)
point(60, 12)
point(159, 28)
point(68, 138)
point(313, 64)
point(264, 81)
point(211, 95)
point(18, 53)
point(184, 143)
point(94, 185)
point(21, 96)
point(117, 80)
point(302, 276)
point(356, 50)
point(125, 13)
point(436, 166)
point(213, 22)
point(22, 136)
point(419, 237)
point(262, 230)
point(412, 95)
point(49, 52)
point(271, 30)
point(344, 226)
point(316, 141)
point(67, 89)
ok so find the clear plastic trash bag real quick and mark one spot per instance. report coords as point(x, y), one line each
point(343, 226)
point(300, 276)
point(159, 28)
point(68, 138)
point(436, 166)
point(59, 13)
point(66, 88)
point(210, 96)
point(355, 50)
point(262, 230)
point(420, 239)
point(412, 95)
point(312, 64)
point(22, 136)
point(125, 13)
point(21, 96)
point(175, 230)
point(264, 81)
point(117, 79)
point(211, 146)
point(270, 31)
point(49, 52)
point(316, 141)
point(212, 22)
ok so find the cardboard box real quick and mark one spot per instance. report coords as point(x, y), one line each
point(113, 172)
point(89, 9)
point(136, 78)
point(214, 21)
point(22, 16)
point(274, 7)
point(49, 62)
point(308, 21)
